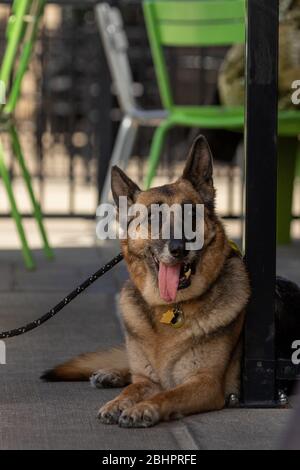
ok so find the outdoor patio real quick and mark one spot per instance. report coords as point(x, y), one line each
point(92, 84)
point(38, 415)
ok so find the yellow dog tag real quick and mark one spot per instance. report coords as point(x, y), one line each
point(167, 317)
point(173, 317)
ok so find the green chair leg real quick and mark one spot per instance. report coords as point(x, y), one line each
point(29, 262)
point(36, 207)
point(155, 152)
point(287, 155)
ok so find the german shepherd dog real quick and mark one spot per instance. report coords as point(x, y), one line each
point(183, 313)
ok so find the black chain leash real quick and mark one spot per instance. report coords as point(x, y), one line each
point(64, 302)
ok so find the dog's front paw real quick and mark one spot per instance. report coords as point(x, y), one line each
point(104, 378)
point(111, 411)
point(142, 415)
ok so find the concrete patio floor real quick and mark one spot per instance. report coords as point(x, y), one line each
point(37, 415)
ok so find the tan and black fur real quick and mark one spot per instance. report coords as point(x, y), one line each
point(173, 372)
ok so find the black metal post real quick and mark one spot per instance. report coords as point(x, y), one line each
point(261, 181)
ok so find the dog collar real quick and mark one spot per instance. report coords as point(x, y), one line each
point(235, 248)
point(173, 317)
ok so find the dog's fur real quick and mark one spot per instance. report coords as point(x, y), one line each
point(173, 372)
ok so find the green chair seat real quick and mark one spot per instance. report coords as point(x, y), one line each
point(232, 118)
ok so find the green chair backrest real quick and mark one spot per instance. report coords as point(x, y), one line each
point(190, 23)
point(20, 35)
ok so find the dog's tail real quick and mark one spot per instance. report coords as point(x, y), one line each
point(82, 367)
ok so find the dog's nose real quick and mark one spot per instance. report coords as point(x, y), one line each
point(177, 248)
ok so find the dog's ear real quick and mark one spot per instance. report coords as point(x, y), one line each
point(199, 169)
point(121, 185)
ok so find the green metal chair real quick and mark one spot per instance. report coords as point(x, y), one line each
point(190, 23)
point(21, 34)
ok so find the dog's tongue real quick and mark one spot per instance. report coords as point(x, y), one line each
point(168, 280)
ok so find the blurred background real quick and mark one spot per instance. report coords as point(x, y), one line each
point(68, 116)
